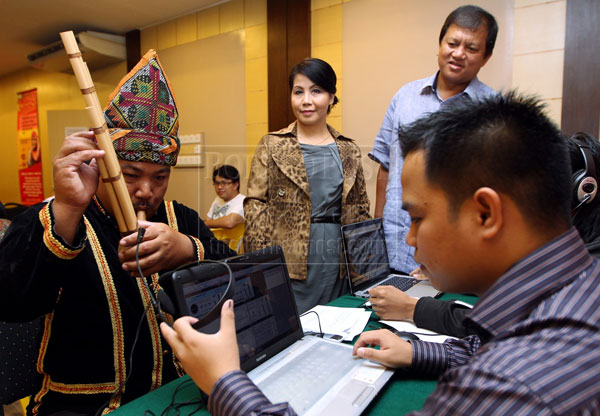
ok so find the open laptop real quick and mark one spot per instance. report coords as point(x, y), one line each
point(367, 264)
point(314, 375)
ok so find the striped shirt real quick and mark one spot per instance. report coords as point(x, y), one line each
point(538, 349)
point(537, 352)
point(235, 394)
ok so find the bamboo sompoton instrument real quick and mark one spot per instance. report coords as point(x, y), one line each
point(109, 167)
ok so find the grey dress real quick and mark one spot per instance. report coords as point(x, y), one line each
point(326, 179)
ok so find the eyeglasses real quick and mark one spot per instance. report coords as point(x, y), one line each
point(222, 183)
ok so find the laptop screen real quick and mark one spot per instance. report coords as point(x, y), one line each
point(365, 251)
point(266, 318)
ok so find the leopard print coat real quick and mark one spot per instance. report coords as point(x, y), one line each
point(277, 207)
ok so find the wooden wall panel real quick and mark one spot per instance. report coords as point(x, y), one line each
point(581, 83)
point(288, 26)
point(133, 46)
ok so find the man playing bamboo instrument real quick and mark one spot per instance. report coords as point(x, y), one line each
point(67, 260)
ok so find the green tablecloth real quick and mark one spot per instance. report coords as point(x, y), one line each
point(402, 394)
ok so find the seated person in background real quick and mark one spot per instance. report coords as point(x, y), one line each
point(227, 210)
point(487, 187)
point(101, 345)
point(447, 317)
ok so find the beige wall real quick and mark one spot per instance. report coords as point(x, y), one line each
point(533, 63)
point(539, 46)
point(245, 120)
point(55, 92)
point(207, 78)
point(407, 34)
point(376, 46)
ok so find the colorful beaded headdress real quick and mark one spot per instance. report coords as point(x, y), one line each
point(142, 117)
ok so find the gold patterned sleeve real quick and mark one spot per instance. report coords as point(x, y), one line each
point(52, 241)
point(256, 204)
point(199, 254)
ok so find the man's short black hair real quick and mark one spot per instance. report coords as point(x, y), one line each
point(472, 17)
point(226, 172)
point(505, 142)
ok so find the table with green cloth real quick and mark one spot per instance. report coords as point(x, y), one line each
point(403, 392)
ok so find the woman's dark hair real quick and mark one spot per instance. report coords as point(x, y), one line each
point(319, 72)
point(227, 172)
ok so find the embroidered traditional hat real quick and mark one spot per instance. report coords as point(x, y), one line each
point(142, 117)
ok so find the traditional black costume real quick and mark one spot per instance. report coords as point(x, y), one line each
point(95, 311)
point(92, 305)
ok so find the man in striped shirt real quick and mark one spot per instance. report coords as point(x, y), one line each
point(447, 316)
point(487, 186)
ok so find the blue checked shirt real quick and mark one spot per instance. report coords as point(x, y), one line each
point(537, 353)
point(411, 102)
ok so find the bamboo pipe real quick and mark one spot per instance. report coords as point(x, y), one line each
point(110, 169)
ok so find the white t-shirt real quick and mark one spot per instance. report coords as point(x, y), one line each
point(220, 208)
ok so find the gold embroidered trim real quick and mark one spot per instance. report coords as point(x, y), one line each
point(117, 324)
point(44, 341)
point(172, 220)
point(40, 360)
point(199, 248)
point(169, 207)
point(114, 309)
point(94, 388)
point(171, 217)
point(38, 397)
point(154, 336)
point(49, 385)
point(99, 205)
point(51, 242)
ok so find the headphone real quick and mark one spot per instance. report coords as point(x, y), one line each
point(584, 182)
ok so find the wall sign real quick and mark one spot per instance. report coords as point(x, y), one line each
point(29, 148)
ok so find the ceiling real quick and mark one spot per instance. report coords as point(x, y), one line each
point(28, 25)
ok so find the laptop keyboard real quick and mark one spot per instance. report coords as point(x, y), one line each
point(309, 376)
point(401, 283)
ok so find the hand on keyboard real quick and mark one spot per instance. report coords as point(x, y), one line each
point(416, 273)
point(391, 303)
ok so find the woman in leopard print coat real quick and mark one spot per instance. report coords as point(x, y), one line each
point(305, 181)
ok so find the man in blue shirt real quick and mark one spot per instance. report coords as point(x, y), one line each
point(466, 43)
point(488, 189)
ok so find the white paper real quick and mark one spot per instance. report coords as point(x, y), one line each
point(346, 322)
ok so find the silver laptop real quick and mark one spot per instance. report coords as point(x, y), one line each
point(314, 375)
point(367, 264)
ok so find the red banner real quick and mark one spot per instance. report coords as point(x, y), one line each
point(29, 149)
